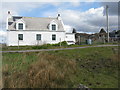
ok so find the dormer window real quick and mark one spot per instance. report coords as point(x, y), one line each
point(53, 27)
point(20, 26)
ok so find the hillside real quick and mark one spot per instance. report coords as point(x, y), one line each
point(92, 67)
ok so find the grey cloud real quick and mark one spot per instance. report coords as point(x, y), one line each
point(2, 26)
point(88, 22)
point(113, 7)
point(97, 21)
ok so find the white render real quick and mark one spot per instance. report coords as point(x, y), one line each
point(29, 38)
point(33, 26)
point(70, 38)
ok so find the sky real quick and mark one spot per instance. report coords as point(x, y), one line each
point(85, 17)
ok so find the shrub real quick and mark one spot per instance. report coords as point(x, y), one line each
point(45, 46)
point(55, 44)
point(64, 43)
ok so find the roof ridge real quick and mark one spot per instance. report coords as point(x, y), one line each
point(34, 17)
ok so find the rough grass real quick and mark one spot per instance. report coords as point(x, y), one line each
point(92, 67)
point(50, 46)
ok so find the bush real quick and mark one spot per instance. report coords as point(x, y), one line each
point(45, 46)
point(55, 44)
point(64, 43)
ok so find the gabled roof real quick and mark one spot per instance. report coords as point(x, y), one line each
point(102, 31)
point(34, 23)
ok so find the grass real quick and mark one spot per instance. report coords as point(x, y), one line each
point(44, 46)
point(92, 67)
point(50, 46)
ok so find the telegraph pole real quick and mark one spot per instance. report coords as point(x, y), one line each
point(107, 23)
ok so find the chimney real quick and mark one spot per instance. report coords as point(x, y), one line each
point(9, 15)
point(58, 17)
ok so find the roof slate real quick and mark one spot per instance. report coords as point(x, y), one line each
point(34, 23)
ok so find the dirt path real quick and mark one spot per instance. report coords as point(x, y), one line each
point(55, 49)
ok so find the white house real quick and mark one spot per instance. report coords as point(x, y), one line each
point(36, 31)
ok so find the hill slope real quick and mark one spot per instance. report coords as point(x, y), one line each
point(92, 67)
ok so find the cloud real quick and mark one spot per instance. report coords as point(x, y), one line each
point(3, 33)
point(61, 1)
point(74, 4)
point(91, 20)
point(68, 28)
point(113, 7)
point(81, 20)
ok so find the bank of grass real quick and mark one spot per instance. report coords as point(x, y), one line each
point(92, 67)
point(50, 46)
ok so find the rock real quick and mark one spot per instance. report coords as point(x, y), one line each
point(83, 87)
point(82, 66)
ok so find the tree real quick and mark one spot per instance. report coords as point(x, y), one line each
point(74, 30)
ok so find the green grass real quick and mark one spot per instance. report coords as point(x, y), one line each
point(92, 67)
point(50, 46)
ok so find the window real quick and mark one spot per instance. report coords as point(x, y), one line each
point(20, 26)
point(53, 27)
point(20, 36)
point(38, 36)
point(53, 37)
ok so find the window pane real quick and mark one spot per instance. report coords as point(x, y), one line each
point(20, 36)
point(53, 37)
point(53, 27)
point(20, 26)
point(38, 37)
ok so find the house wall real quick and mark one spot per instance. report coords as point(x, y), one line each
point(29, 37)
point(70, 37)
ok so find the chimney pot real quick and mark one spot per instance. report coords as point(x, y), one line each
point(8, 12)
point(58, 15)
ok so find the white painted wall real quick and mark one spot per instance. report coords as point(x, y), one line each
point(70, 37)
point(29, 37)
